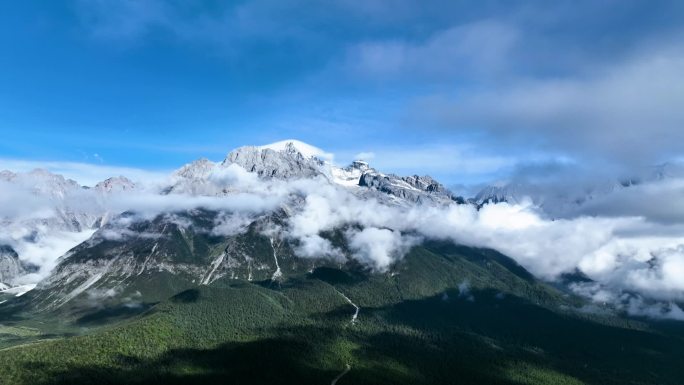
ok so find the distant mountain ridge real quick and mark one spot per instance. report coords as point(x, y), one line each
point(79, 210)
point(277, 266)
point(70, 207)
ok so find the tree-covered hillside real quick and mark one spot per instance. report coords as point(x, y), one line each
point(444, 314)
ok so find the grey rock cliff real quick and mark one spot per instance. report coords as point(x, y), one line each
point(268, 163)
point(10, 266)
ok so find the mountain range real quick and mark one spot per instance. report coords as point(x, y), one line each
point(277, 266)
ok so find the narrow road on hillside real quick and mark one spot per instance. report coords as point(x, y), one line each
point(357, 309)
point(345, 371)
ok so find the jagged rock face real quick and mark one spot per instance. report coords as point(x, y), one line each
point(115, 185)
point(295, 160)
point(268, 163)
point(414, 189)
point(193, 178)
point(72, 207)
point(496, 194)
point(10, 266)
point(184, 246)
point(42, 182)
point(197, 170)
point(350, 175)
point(425, 183)
point(360, 165)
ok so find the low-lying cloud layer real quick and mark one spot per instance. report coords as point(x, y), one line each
point(629, 248)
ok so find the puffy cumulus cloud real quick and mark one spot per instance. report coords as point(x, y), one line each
point(627, 253)
point(45, 250)
point(627, 302)
point(639, 200)
point(667, 310)
point(234, 176)
point(119, 234)
point(379, 247)
point(327, 207)
point(229, 224)
point(97, 298)
point(151, 203)
point(661, 272)
point(19, 202)
point(620, 252)
point(315, 246)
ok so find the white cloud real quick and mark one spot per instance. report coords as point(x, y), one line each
point(628, 111)
point(478, 47)
point(620, 252)
point(86, 173)
point(229, 224)
point(455, 162)
point(367, 156)
point(315, 246)
point(46, 250)
point(379, 247)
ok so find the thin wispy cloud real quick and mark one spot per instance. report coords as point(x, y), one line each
point(88, 174)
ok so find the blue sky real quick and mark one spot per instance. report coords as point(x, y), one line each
point(466, 91)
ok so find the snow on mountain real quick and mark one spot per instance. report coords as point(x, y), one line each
point(280, 161)
point(569, 198)
point(290, 160)
point(115, 185)
point(350, 175)
point(510, 193)
point(192, 178)
point(43, 215)
point(49, 200)
point(411, 189)
point(60, 213)
point(41, 182)
point(197, 170)
point(307, 150)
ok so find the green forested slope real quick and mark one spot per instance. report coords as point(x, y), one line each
point(445, 315)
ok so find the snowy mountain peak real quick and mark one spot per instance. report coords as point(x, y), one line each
point(41, 182)
point(115, 184)
point(499, 193)
point(282, 160)
point(199, 169)
point(350, 175)
point(295, 146)
point(361, 165)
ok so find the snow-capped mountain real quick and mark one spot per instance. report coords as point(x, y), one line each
point(41, 182)
point(115, 185)
point(56, 214)
point(568, 198)
point(263, 213)
point(290, 160)
point(511, 193)
point(70, 211)
point(413, 189)
point(280, 161)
